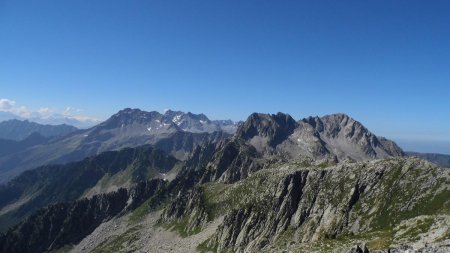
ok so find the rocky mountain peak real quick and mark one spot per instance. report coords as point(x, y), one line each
point(130, 116)
point(191, 122)
point(273, 127)
point(200, 116)
point(348, 137)
point(336, 135)
point(196, 123)
point(171, 114)
point(336, 122)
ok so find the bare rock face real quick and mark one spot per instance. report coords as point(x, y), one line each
point(233, 161)
point(266, 131)
point(348, 137)
point(335, 135)
point(188, 209)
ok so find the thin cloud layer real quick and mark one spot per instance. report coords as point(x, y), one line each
point(47, 115)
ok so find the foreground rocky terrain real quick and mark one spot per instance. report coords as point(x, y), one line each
point(278, 185)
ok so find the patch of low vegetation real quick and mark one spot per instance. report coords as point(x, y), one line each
point(380, 240)
point(377, 240)
point(303, 163)
point(401, 200)
point(421, 226)
point(150, 205)
point(181, 226)
point(213, 199)
point(220, 198)
point(139, 213)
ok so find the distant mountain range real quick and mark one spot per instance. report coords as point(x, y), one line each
point(439, 159)
point(10, 146)
point(176, 132)
point(56, 119)
point(20, 129)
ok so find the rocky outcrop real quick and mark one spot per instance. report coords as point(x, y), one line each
point(188, 209)
point(232, 162)
point(358, 249)
point(144, 190)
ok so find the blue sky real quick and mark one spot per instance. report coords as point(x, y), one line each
point(385, 63)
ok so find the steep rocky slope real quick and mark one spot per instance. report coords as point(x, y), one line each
point(104, 173)
point(68, 223)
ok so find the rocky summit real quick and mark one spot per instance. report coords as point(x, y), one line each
point(179, 182)
point(335, 136)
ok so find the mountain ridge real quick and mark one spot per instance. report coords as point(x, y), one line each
point(19, 130)
point(94, 175)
